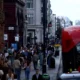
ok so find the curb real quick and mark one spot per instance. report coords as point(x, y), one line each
point(59, 65)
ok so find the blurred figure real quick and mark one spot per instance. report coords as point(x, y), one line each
point(29, 56)
point(27, 69)
point(17, 67)
point(37, 75)
point(35, 60)
point(10, 74)
point(41, 59)
point(1, 74)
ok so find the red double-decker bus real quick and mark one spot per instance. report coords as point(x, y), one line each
point(71, 48)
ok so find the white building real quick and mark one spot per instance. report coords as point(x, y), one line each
point(77, 22)
point(33, 14)
point(53, 28)
point(65, 21)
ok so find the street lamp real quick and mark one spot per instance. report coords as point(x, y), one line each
point(44, 39)
point(25, 33)
point(45, 76)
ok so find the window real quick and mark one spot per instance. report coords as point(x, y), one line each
point(41, 20)
point(41, 9)
point(30, 18)
point(29, 4)
point(26, 17)
point(78, 47)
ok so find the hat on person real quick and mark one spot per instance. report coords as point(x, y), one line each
point(1, 72)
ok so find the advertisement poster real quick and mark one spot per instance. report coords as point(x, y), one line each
point(14, 45)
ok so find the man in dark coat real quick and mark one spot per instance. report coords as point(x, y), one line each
point(37, 75)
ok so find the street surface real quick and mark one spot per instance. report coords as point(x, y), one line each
point(51, 72)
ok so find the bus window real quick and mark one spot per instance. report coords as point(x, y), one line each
point(78, 47)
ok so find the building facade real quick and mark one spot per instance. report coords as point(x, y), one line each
point(49, 18)
point(52, 29)
point(14, 22)
point(58, 21)
point(77, 22)
point(34, 16)
point(65, 21)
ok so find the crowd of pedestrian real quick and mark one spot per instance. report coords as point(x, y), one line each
point(13, 61)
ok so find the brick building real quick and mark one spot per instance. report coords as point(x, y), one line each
point(14, 11)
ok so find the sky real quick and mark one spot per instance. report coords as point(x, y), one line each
point(68, 8)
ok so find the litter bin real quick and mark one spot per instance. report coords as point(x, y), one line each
point(45, 77)
point(52, 62)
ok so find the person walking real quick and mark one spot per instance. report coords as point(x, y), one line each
point(10, 75)
point(41, 59)
point(17, 67)
point(27, 69)
point(35, 60)
point(1, 74)
point(37, 75)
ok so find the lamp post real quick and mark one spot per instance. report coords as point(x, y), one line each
point(25, 33)
point(45, 76)
point(44, 30)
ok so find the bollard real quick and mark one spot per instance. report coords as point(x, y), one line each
point(45, 77)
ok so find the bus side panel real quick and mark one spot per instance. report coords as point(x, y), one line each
point(69, 60)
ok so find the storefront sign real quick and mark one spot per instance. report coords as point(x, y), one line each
point(16, 38)
point(5, 37)
point(10, 28)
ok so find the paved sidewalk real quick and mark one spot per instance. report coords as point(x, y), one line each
point(51, 72)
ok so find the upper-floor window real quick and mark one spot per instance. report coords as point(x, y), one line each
point(29, 4)
point(30, 18)
point(25, 17)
